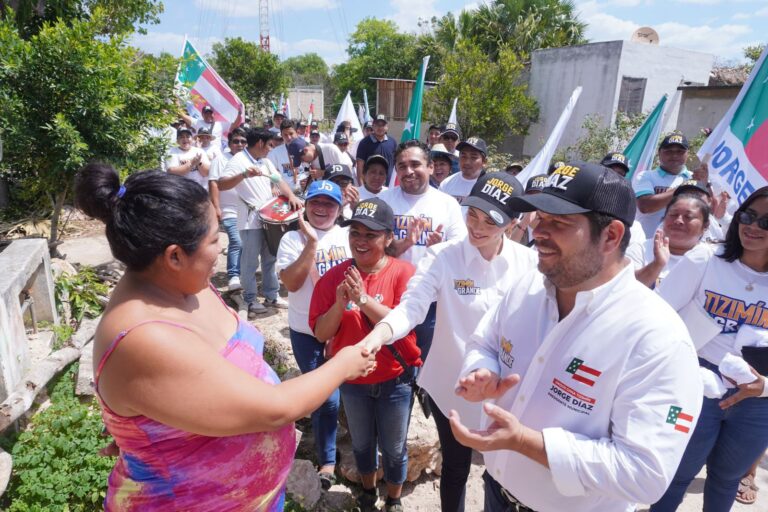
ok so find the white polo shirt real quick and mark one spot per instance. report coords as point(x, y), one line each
point(228, 200)
point(465, 286)
point(253, 192)
point(438, 208)
point(613, 386)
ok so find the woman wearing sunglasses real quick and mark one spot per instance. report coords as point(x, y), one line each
point(722, 294)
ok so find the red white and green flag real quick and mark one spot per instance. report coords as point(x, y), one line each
point(311, 112)
point(738, 146)
point(682, 421)
point(198, 84)
point(582, 373)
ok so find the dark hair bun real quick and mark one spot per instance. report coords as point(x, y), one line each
point(96, 190)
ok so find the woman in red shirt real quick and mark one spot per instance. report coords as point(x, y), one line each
point(346, 303)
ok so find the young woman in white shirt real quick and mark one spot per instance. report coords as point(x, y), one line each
point(302, 258)
point(685, 221)
point(466, 277)
point(719, 294)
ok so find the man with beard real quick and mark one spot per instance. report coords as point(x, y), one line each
point(423, 216)
point(591, 378)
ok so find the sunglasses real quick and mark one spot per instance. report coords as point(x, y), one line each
point(239, 141)
point(749, 218)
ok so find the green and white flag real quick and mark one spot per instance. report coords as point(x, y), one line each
point(412, 127)
point(642, 148)
point(738, 146)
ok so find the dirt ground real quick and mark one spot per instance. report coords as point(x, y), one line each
point(424, 494)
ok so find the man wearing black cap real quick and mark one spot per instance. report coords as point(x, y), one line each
point(654, 187)
point(450, 138)
point(378, 143)
point(591, 404)
point(341, 141)
point(209, 121)
point(473, 154)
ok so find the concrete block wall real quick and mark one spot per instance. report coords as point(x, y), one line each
point(25, 266)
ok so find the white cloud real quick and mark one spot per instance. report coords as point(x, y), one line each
point(408, 12)
point(725, 41)
point(250, 8)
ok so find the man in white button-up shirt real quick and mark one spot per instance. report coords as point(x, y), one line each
point(593, 379)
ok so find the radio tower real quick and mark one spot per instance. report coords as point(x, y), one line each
point(264, 24)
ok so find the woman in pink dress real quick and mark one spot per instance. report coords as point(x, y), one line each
point(201, 420)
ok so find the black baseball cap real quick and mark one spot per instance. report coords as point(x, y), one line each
point(615, 159)
point(473, 143)
point(207, 108)
point(581, 187)
point(340, 137)
point(536, 183)
point(314, 124)
point(278, 113)
point(368, 124)
point(376, 159)
point(184, 129)
point(314, 131)
point(374, 214)
point(334, 171)
point(300, 123)
point(451, 128)
point(204, 130)
point(381, 118)
point(674, 139)
point(692, 186)
point(492, 194)
point(435, 127)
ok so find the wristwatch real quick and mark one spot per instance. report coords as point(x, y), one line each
point(363, 300)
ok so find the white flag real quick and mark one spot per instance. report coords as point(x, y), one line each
point(540, 162)
point(347, 113)
point(452, 117)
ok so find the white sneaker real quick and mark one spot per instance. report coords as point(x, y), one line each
point(279, 303)
point(256, 308)
point(234, 284)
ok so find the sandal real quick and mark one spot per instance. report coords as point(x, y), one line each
point(747, 493)
point(327, 480)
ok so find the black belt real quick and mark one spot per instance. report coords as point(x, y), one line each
point(514, 502)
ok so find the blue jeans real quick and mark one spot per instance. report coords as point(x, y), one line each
point(255, 248)
point(378, 416)
point(425, 330)
point(728, 441)
point(234, 247)
point(309, 355)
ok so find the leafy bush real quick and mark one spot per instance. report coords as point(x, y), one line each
point(81, 294)
point(56, 461)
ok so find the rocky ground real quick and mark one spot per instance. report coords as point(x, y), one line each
point(421, 492)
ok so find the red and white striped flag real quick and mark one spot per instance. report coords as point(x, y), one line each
point(199, 85)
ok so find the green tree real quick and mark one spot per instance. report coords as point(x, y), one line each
point(255, 75)
point(376, 49)
point(752, 53)
point(307, 69)
point(520, 25)
point(493, 100)
point(71, 95)
point(117, 16)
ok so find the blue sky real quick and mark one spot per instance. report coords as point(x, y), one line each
point(719, 27)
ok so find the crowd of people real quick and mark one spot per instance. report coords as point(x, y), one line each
point(597, 343)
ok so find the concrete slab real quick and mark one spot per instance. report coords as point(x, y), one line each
point(88, 250)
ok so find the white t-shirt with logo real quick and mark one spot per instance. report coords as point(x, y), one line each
point(216, 128)
point(176, 155)
point(458, 186)
point(656, 181)
point(213, 151)
point(282, 162)
point(332, 249)
point(438, 208)
point(228, 199)
point(731, 294)
point(253, 192)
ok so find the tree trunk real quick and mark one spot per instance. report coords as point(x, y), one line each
point(58, 206)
